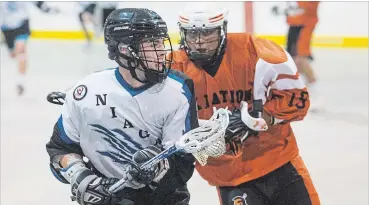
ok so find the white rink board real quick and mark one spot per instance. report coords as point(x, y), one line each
point(335, 149)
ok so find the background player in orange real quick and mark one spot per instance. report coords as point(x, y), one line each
point(302, 17)
point(239, 69)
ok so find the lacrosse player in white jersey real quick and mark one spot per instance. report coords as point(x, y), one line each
point(120, 118)
point(14, 22)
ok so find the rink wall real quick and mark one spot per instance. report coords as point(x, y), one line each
point(341, 24)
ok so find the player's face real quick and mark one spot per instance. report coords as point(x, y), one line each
point(203, 41)
point(153, 51)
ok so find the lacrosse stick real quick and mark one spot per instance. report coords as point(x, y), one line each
point(256, 124)
point(195, 142)
point(56, 98)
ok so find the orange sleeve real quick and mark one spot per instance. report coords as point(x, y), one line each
point(288, 105)
point(309, 16)
point(310, 7)
point(278, 84)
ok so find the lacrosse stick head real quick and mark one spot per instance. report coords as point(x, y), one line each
point(208, 139)
point(56, 98)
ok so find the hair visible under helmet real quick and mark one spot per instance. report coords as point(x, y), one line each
point(201, 19)
point(125, 31)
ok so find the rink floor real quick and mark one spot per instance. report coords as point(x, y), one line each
point(333, 143)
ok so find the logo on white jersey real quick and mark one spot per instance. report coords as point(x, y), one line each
point(80, 92)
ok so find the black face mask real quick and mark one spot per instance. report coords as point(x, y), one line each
point(201, 55)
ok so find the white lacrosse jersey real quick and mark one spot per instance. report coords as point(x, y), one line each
point(13, 14)
point(110, 120)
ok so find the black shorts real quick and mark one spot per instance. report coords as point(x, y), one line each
point(292, 38)
point(299, 39)
point(287, 185)
point(13, 35)
point(145, 196)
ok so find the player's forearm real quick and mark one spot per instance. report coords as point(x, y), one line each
point(275, 117)
point(286, 106)
point(271, 120)
point(62, 155)
point(68, 159)
point(56, 147)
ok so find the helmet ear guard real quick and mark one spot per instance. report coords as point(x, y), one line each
point(126, 52)
point(116, 51)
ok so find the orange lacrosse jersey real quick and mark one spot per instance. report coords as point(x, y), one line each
point(305, 14)
point(251, 68)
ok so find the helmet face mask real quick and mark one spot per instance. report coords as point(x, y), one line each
point(152, 52)
point(203, 28)
point(202, 44)
point(138, 41)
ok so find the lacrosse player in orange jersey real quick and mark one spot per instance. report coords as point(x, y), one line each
point(259, 80)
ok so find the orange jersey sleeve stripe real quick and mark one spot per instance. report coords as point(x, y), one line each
point(286, 76)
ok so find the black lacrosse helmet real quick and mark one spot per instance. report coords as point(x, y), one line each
point(125, 31)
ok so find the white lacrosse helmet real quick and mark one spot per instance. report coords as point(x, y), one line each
point(199, 19)
point(202, 15)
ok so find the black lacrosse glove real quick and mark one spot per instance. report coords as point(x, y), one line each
point(90, 189)
point(237, 132)
point(149, 176)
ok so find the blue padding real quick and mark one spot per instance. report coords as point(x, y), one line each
point(57, 175)
point(22, 37)
point(63, 136)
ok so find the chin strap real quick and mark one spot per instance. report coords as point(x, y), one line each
point(152, 76)
point(129, 66)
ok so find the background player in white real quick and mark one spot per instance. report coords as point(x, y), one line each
point(120, 118)
point(14, 17)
